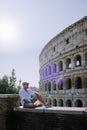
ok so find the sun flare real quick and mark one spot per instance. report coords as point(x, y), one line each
point(8, 33)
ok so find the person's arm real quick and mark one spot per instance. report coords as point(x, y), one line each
point(37, 93)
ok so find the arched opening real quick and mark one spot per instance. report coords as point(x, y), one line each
point(68, 63)
point(54, 102)
point(78, 61)
point(46, 87)
point(49, 101)
point(60, 102)
point(68, 103)
point(45, 99)
point(68, 83)
point(60, 82)
point(60, 66)
point(43, 73)
point(78, 83)
point(79, 103)
point(54, 86)
point(49, 87)
point(54, 68)
point(49, 69)
point(46, 72)
point(60, 86)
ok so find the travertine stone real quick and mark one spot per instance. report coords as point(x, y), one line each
point(70, 45)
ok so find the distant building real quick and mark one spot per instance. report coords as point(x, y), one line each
point(63, 67)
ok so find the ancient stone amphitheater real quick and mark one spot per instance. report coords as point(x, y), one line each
point(63, 67)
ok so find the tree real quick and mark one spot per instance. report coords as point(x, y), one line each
point(4, 84)
point(12, 79)
point(7, 84)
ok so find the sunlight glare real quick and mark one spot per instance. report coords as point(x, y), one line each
point(9, 34)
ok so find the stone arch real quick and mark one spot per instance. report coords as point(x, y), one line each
point(54, 86)
point(54, 68)
point(79, 103)
point(68, 63)
point(78, 83)
point(60, 102)
point(60, 82)
point(60, 86)
point(49, 87)
point(45, 86)
point(49, 101)
point(45, 99)
point(60, 66)
point(49, 69)
point(77, 60)
point(45, 71)
point(68, 83)
point(54, 102)
point(68, 103)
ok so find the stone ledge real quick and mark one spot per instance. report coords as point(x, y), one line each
point(8, 95)
point(9, 101)
point(61, 110)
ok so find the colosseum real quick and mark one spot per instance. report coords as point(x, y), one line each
point(63, 67)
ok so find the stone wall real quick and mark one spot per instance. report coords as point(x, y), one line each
point(63, 67)
point(49, 119)
point(7, 103)
point(13, 117)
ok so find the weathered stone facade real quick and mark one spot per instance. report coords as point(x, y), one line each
point(7, 103)
point(63, 67)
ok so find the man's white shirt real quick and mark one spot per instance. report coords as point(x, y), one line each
point(25, 95)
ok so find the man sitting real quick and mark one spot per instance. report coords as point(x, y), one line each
point(28, 97)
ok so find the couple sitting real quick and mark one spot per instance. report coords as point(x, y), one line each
point(29, 98)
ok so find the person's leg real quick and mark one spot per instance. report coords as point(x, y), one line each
point(28, 105)
point(34, 100)
point(38, 97)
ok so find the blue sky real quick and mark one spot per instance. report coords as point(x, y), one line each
point(33, 23)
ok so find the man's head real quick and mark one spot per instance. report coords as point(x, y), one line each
point(25, 85)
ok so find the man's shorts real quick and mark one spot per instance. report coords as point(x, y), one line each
point(26, 104)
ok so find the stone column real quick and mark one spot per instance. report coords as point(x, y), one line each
point(51, 87)
point(83, 59)
point(64, 65)
point(64, 102)
point(72, 62)
point(64, 85)
point(72, 90)
point(7, 103)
